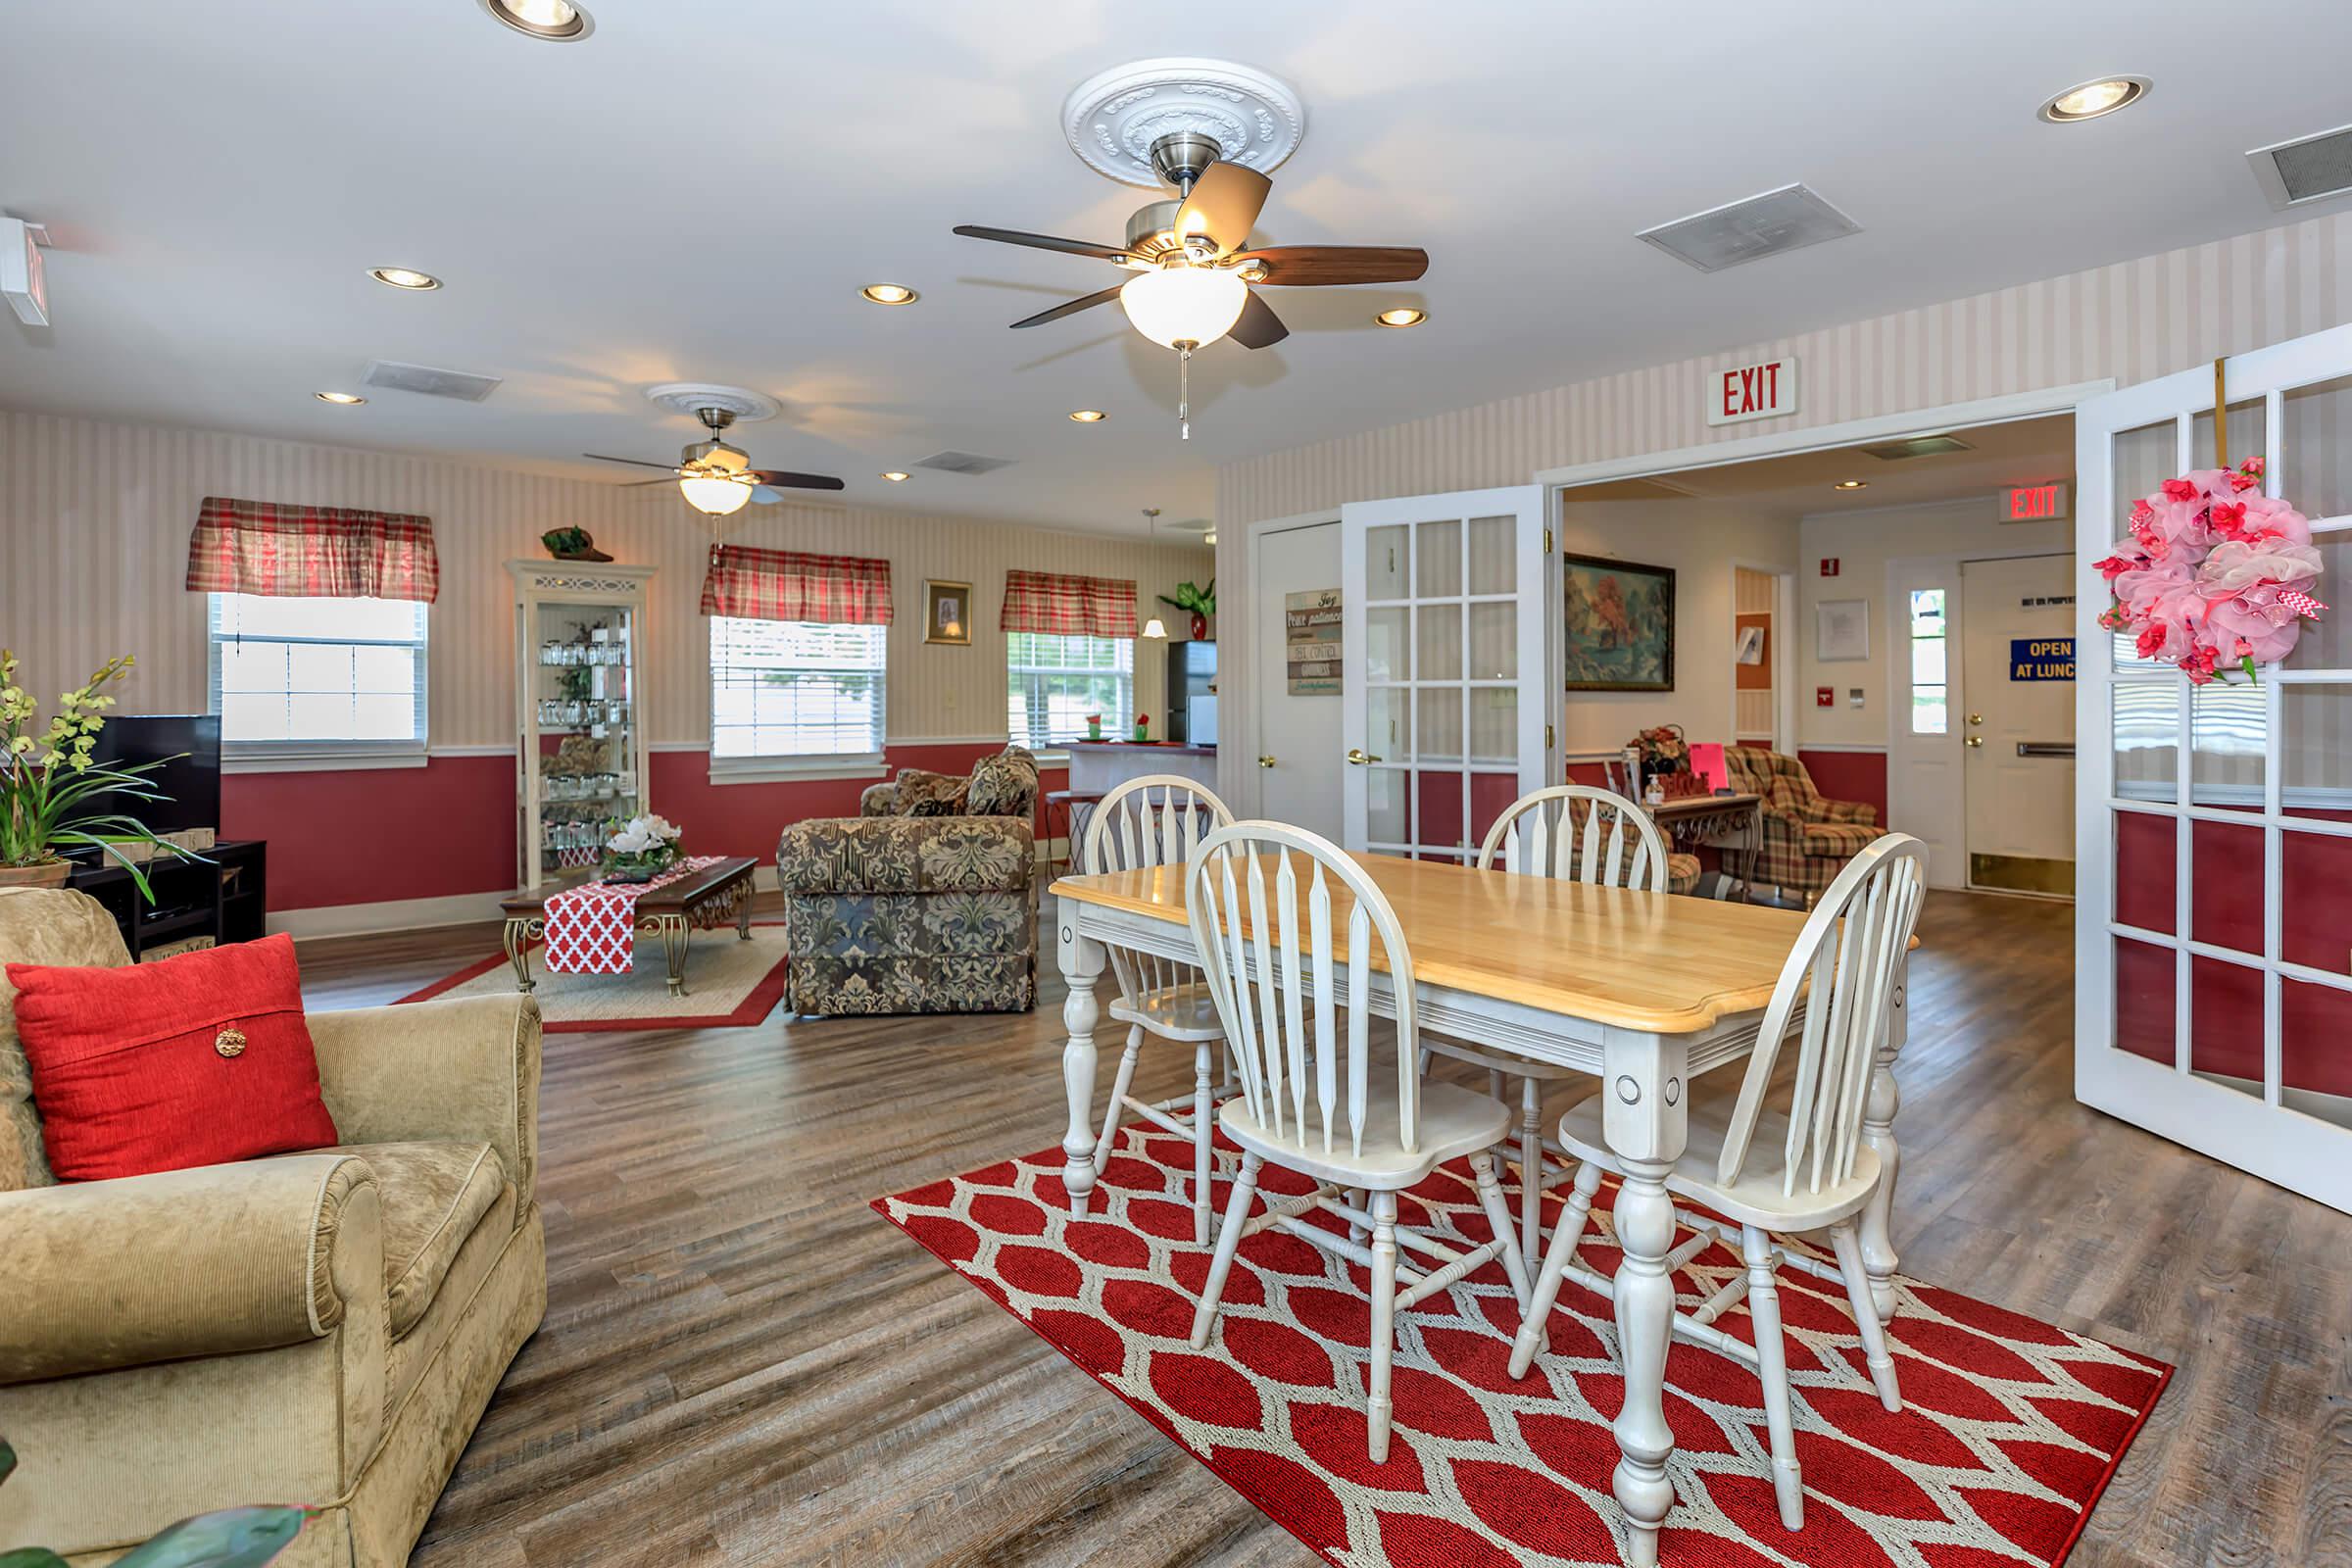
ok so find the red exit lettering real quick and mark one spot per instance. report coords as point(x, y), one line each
point(1755, 392)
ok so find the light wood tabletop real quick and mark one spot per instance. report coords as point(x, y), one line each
point(1638, 960)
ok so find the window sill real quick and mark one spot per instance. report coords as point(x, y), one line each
point(795, 769)
point(1054, 757)
point(320, 757)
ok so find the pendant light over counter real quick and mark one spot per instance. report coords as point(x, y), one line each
point(1155, 628)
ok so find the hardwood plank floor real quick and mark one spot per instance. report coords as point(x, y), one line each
point(742, 1363)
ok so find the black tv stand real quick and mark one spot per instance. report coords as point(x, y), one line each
point(225, 896)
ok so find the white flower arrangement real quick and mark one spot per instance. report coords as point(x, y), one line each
point(643, 835)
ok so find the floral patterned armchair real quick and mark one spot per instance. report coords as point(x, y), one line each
point(891, 911)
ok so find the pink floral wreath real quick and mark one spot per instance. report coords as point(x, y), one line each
point(2215, 576)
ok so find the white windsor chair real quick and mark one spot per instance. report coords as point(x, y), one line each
point(1311, 1099)
point(1774, 1172)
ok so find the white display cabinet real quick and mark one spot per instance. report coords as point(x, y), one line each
point(579, 646)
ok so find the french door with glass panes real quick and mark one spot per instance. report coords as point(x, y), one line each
point(2213, 1000)
point(1447, 687)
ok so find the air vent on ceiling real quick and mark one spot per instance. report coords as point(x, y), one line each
point(2309, 169)
point(1785, 219)
point(430, 381)
point(1919, 446)
point(964, 462)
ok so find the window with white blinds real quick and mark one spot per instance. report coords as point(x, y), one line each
point(1052, 683)
point(289, 673)
point(784, 688)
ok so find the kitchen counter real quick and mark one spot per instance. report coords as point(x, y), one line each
point(1097, 767)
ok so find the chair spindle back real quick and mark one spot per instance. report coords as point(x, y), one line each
point(1845, 964)
point(1152, 820)
point(1262, 899)
point(1578, 833)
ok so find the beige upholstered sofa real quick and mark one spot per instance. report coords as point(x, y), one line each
point(320, 1328)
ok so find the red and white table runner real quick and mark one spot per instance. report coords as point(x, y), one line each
point(592, 929)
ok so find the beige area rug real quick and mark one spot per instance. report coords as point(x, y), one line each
point(730, 984)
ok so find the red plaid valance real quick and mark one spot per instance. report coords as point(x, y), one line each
point(784, 585)
point(256, 547)
point(1068, 606)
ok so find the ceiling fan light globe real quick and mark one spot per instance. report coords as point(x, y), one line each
point(1179, 305)
point(717, 497)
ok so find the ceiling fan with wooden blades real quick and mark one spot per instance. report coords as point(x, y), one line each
point(717, 479)
point(1193, 262)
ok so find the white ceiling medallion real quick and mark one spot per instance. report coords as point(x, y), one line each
point(1113, 117)
point(748, 407)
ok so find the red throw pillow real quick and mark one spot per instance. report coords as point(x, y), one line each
point(195, 1060)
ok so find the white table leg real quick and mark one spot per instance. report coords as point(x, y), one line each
point(1878, 1135)
point(1082, 960)
point(1645, 1121)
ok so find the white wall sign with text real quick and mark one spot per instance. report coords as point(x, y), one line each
point(1752, 392)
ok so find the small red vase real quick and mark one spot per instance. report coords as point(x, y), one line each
point(1200, 627)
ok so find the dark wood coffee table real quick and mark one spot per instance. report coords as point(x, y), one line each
point(708, 898)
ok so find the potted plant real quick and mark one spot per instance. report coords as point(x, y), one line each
point(233, 1538)
point(50, 782)
point(1143, 726)
point(1199, 602)
point(641, 849)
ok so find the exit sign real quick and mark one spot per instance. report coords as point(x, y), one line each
point(2034, 503)
point(1752, 392)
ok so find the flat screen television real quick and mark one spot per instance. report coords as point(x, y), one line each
point(192, 780)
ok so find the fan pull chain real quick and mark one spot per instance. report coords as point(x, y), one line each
point(1184, 393)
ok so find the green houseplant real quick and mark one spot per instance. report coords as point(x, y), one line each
point(50, 780)
point(1196, 601)
point(233, 1538)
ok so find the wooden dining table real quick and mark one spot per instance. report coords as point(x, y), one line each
point(1645, 991)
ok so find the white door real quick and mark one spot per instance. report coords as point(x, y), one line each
point(2018, 685)
point(1298, 743)
point(2213, 999)
point(1450, 690)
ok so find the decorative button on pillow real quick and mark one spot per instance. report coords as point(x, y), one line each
point(196, 1061)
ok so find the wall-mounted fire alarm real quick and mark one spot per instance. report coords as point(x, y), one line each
point(1828, 565)
point(21, 275)
point(1824, 697)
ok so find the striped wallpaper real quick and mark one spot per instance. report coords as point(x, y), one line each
point(2132, 320)
point(94, 522)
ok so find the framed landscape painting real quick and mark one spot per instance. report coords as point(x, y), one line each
point(1619, 625)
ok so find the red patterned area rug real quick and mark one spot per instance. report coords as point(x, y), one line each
point(730, 984)
point(2011, 1427)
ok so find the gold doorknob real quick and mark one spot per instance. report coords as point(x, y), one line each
point(1266, 761)
point(1360, 756)
point(1976, 718)
point(1975, 740)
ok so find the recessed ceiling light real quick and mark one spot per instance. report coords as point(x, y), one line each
point(407, 277)
point(2096, 98)
point(890, 293)
point(555, 20)
point(1089, 416)
point(894, 476)
point(345, 398)
point(1401, 316)
point(1851, 484)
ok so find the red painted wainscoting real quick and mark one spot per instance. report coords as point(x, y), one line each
point(380, 835)
point(1850, 776)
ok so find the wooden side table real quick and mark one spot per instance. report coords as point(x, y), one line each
point(1695, 819)
point(708, 898)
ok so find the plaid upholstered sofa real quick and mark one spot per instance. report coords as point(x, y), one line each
point(1807, 837)
point(924, 902)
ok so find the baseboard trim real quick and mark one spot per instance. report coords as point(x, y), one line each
point(393, 914)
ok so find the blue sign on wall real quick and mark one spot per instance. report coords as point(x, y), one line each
point(2042, 658)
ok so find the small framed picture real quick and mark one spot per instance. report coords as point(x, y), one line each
point(1840, 631)
point(947, 612)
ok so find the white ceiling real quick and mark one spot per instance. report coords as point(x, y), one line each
point(696, 192)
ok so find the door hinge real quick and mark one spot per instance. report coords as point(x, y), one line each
point(1548, 541)
point(1548, 737)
